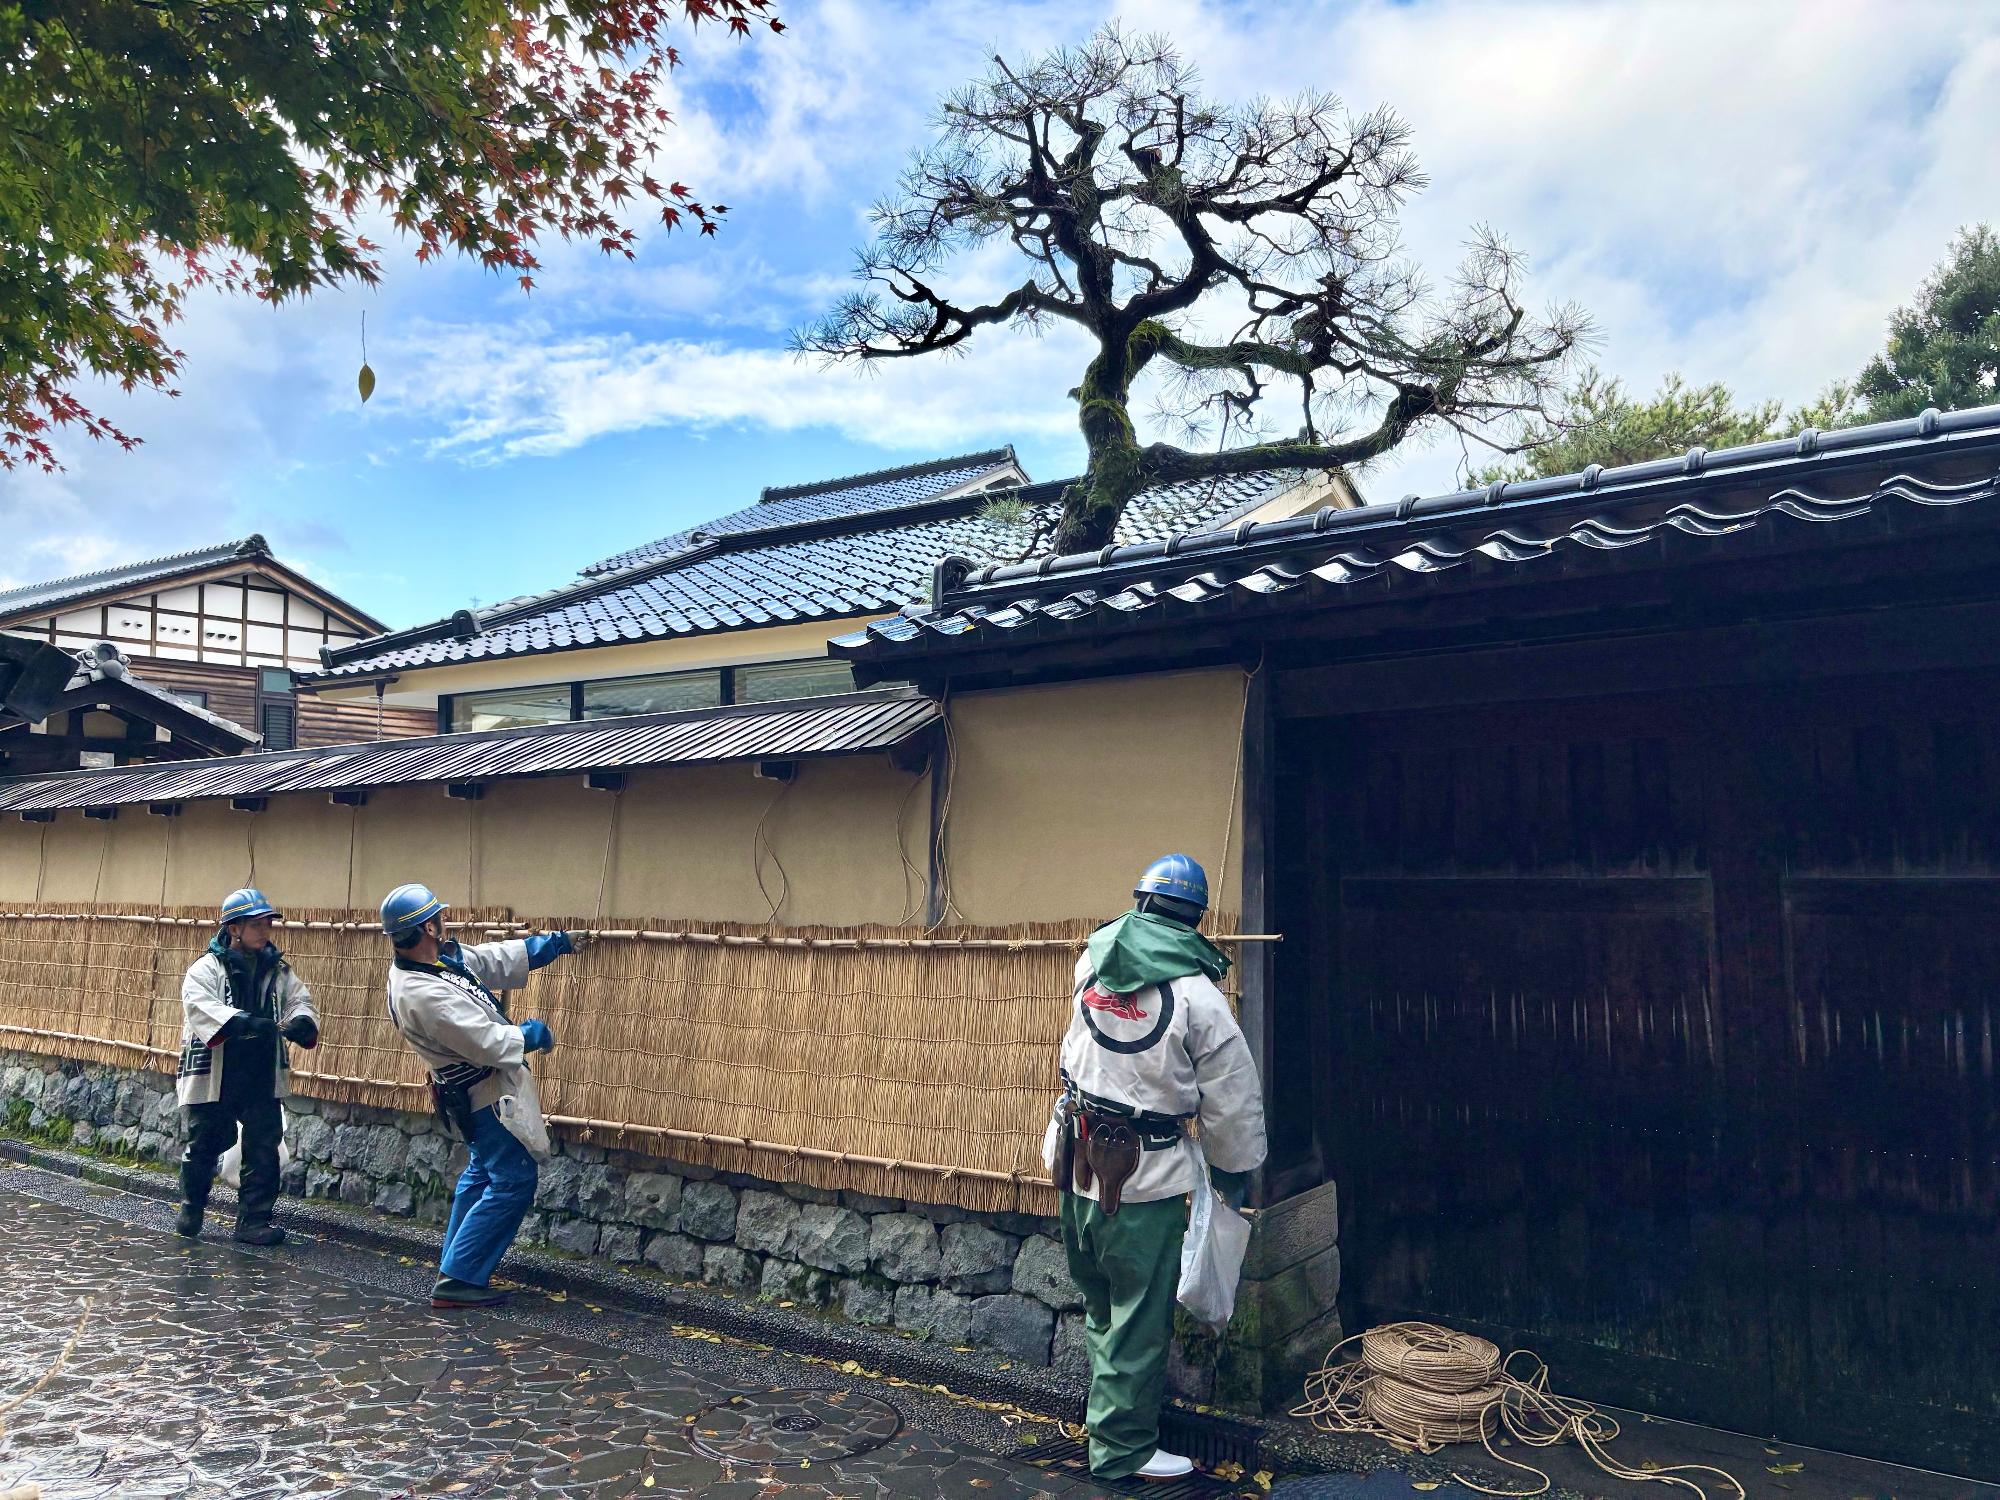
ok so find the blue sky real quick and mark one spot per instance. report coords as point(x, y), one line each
point(1737, 192)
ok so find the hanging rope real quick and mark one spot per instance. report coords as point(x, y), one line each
point(1419, 1387)
point(42, 863)
point(1236, 774)
point(761, 845)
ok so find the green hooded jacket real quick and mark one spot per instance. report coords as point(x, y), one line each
point(1141, 948)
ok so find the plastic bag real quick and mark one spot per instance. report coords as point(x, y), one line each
point(1218, 1239)
point(230, 1168)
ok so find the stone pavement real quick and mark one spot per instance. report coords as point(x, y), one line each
point(210, 1370)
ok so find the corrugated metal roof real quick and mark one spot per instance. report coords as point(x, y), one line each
point(851, 724)
point(1316, 559)
point(57, 592)
point(809, 570)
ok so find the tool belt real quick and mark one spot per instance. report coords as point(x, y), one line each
point(1104, 1141)
point(451, 1097)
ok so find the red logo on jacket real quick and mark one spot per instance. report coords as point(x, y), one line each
point(1124, 1007)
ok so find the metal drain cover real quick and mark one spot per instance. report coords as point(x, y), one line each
point(794, 1426)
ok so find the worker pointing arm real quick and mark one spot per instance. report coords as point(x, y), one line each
point(445, 999)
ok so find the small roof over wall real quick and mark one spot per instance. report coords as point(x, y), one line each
point(853, 724)
point(1728, 504)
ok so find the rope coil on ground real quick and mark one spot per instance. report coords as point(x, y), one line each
point(1419, 1387)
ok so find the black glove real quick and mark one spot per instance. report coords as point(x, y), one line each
point(300, 1031)
point(244, 1025)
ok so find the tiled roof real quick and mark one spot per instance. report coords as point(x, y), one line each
point(851, 724)
point(1320, 559)
point(858, 494)
point(808, 570)
point(44, 598)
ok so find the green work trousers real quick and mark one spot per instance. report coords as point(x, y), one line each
point(1128, 1268)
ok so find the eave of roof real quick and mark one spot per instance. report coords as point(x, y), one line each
point(1298, 558)
point(851, 724)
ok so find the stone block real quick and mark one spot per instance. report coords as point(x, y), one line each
point(1019, 1327)
point(534, 1228)
point(429, 1158)
point(1041, 1271)
point(934, 1313)
point(154, 1146)
point(729, 1268)
point(433, 1211)
point(600, 1192)
point(555, 1188)
point(800, 1285)
point(322, 1182)
point(868, 1299)
point(355, 1188)
point(831, 1238)
point(395, 1198)
point(766, 1223)
point(13, 1080)
point(578, 1236)
point(1188, 1375)
point(674, 1255)
point(653, 1199)
point(904, 1247)
point(1300, 1227)
point(708, 1211)
point(292, 1181)
point(1068, 1350)
point(382, 1152)
point(799, 1192)
point(83, 1137)
point(313, 1139)
point(977, 1260)
point(940, 1214)
point(349, 1142)
point(1294, 1297)
point(619, 1244)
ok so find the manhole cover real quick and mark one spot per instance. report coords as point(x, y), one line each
point(794, 1427)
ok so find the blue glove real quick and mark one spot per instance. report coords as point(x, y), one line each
point(547, 947)
point(536, 1037)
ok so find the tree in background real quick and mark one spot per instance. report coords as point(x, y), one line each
point(155, 146)
point(1943, 351)
point(1246, 255)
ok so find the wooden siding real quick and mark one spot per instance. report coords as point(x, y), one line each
point(246, 619)
point(232, 692)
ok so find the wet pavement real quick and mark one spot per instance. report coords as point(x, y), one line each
point(211, 1370)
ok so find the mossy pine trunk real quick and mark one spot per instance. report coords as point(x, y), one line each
point(1092, 506)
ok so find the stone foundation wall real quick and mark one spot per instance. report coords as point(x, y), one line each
point(993, 1281)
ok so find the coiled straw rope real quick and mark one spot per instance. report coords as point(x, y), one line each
point(1419, 1387)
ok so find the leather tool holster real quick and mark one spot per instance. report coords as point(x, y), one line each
point(1112, 1150)
point(1066, 1162)
point(453, 1107)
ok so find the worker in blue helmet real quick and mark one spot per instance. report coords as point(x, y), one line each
point(241, 1002)
point(446, 999)
point(1152, 1046)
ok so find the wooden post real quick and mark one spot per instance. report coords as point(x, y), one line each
point(1255, 959)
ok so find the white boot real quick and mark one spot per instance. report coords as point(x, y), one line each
point(1165, 1465)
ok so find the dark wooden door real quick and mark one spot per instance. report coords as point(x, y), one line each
point(1653, 1035)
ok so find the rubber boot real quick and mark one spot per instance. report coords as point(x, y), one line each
point(187, 1223)
point(265, 1233)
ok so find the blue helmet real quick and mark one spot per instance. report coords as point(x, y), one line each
point(1177, 876)
point(241, 906)
point(408, 907)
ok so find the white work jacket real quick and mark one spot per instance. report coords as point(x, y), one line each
point(456, 1019)
point(206, 1007)
point(1171, 1048)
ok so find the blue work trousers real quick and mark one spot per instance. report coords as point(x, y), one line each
point(493, 1196)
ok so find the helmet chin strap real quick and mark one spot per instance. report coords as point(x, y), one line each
point(1173, 909)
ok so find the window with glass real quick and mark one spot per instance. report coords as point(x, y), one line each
point(668, 692)
point(776, 680)
point(511, 708)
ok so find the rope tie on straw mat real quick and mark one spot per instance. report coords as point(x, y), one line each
point(1419, 1387)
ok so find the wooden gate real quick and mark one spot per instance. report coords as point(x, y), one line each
point(1655, 1033)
